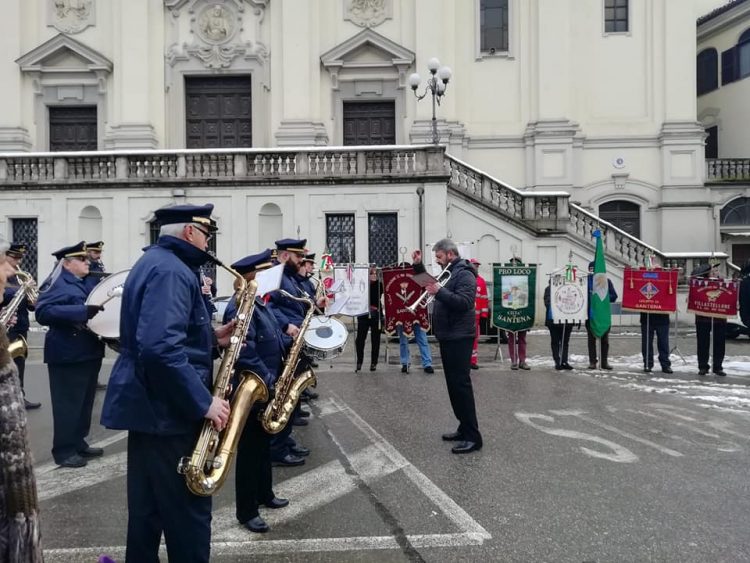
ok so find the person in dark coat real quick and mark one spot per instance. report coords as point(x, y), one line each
point(160, 387)
point(73, 355)
point(20, 329)
point(708, 327)
point(655, 324)
point(559, 335)
point(745, 294)
point(97, 271)
point(590, 336)
point(453, 323)
point(370, 322)
point(262, 355)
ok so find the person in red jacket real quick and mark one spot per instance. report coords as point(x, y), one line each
point(481, 305)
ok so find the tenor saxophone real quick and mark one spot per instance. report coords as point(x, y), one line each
point(208, 466)
point(290, 388)
point(27, 288)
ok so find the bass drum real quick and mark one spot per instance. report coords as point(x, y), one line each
point(325, 338)
point(108, 293)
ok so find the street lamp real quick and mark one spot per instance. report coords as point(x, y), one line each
point(436, 85)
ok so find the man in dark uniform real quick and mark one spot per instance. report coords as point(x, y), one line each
point(73, 355)
point(160, 387)
point(14, 256)
point(745, 294)
point(655, 324)
point(263, 355)
point(454, 324)
point(704, 326)
point(96, 267)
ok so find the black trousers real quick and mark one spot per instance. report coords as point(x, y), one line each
point(559, 339)
point(282, 442)
point(364, 323)
point(703, 331)
point(592, 346)
point(159, 501)
point(456, 357)
point(252, 472)
point(662, 344)
point(72, 388)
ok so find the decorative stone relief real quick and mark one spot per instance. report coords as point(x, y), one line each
point(368, 13)
point(70, 16)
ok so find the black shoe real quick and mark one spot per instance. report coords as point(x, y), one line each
point(646, 370)
point(300, 451)
point(91, 452)
point(73, 461)
point(311, 394)
point(453, 437)
point(524, 366)
point(607, 367)
point(667, 370)
point(101, 386)
point(720, 372)
point(592, 365)
point(358, 368)
point(373, 366)
point(304, 398)
point(276, 502)
point(303, 413)
point(466, 447)
point(299, 421)
point(257, 525)
point(566, 365)
point(558, 367)
point(474, 366)
point(288, 460)
point(31, 405)
point(404, 369)
point(429, 370)
point(702, 372)
point(314, 364)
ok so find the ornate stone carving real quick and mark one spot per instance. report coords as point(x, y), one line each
point(216, 24)
point(367, 13)
point(70, 16)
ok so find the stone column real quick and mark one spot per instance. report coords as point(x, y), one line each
point(13, 136)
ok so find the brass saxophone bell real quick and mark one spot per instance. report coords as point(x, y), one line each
point(18, 348)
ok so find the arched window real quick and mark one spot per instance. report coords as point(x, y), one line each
point(736, 212)
point(270, 225)
point(743, 54)
point(90, 224)
point(735, 62)
point(624, 215)
point(708, 71)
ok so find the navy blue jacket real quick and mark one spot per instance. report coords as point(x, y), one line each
point(160, 382)
point(307, 285)
point(96, 274)
point(21, 328)
point(286, 310)
point(453, 312)
point(62, 307)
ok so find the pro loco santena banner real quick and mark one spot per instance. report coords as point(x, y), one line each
point(713, 297)
point(513, 296)
point(400, 291)
point(649, 290)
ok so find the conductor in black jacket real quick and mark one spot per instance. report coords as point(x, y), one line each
point(453, 322)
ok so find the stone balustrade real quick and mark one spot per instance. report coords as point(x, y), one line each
point(728, 169)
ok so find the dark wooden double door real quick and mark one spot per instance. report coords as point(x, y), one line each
point(369, 123)
point(72, 128)
point(218, 112)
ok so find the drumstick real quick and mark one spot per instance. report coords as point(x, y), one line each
point(116, 292)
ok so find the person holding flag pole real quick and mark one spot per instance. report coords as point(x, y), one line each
point(601, 294)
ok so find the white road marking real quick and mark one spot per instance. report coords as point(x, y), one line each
point(582, 415)
point(99, 470)
point(621, 454)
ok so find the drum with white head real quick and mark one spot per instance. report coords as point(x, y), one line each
point(108, 294)
point(325, 338)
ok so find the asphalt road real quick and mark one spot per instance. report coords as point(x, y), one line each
point(584, 466)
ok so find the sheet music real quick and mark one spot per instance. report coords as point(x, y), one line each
point(269, 280)
point(337, 306)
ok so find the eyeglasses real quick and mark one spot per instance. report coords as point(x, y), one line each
point(205, 233)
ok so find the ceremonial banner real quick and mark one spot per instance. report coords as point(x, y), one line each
point(649, 291)
point(513, 296)
point(353, 283)
point(568, 302)
point(601, 313)
point(712, 297)
point(400, 291)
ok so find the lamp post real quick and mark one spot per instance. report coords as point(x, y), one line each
point(436, 85)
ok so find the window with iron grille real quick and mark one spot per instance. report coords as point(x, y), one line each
point(493, 26)
point(25, 231)
point(383, 238)
point(208, 269)
point(616, 16)
point(340, 237)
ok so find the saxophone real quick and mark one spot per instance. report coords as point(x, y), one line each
point(289, 388)
point(208, 466)
point(27, 288)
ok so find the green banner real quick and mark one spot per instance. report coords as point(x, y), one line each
point(513, 296)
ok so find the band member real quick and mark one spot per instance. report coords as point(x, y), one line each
point(604, 363)
point(420, 337)
point(306, 271)
point(14, 257)
point(482, 311)
point(559, 334)
point(96, 266)
point(263, 355)
point(705, 326)
point(19, 511)
point(370, 321)
point(72, 353)
point(160, 387)
point(454, 326)
point(658, 324)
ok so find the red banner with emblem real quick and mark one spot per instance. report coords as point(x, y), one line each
point(713, 297)
point(649, 290)
point(400, 291)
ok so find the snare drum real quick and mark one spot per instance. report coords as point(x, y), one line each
point(325, 338)
point(106, 324)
